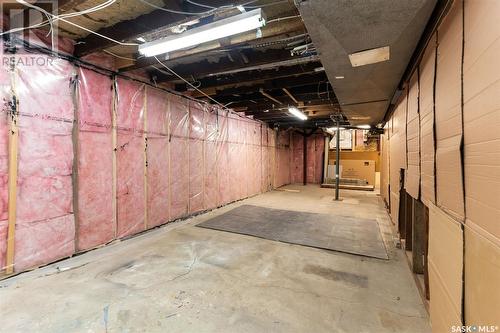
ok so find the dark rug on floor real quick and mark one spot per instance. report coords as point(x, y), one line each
point(332, 232)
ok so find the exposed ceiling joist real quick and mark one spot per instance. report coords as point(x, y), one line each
point(270, 97)
point(205, 68)
point(244, 78)
point(302, 94)
point(134, 28)
point(284, 83)
point(290, 95)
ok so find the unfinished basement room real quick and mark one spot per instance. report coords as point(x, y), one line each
point(250, 166)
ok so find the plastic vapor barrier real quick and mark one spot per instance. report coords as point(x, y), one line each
point(91, 158)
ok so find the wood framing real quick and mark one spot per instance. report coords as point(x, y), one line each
point(114, 143)
point(12, 183)
point(145, 170)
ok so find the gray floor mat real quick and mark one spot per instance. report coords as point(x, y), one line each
point(332, 232)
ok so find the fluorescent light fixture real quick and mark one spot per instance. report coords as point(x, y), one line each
point(340, 77)
point(368, 57)
point(364, 126)
point(233, 25)
point(297, 113)
point(141, 39)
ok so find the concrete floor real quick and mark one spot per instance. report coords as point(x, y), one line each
point(180, 278)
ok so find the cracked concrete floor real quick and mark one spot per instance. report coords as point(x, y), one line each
point(181, 278)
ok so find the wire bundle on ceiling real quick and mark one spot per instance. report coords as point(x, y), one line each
point(51, 18)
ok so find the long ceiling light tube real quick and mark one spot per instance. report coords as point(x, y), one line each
point(237, 24)
point(297, 113)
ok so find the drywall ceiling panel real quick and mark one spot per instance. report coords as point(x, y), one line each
point(427, 71)
point(449, 114)
point(482, 275)
point(342, 27)
point(412, 179)
point(446, 256)
point(482, 114)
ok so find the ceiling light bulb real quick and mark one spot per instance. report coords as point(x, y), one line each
point(297, 113)
point(237, 24)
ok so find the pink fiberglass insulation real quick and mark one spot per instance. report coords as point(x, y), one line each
point(223, 169)
point(272, 151)
point(41, 242)
point(96, 225)
point(315, 146)
point(210, 160)
point(158, 196)
point(319, 158)
point(256, 177)
point(241, 163)
point(255, 158)
point(232, 158)
point(311, 160)
point(297, 167)
point(283, 159)
point(179, 157)
point(5, 97)
point(265, 159)
point(44, 223)
point(196, 164)
point(130, 158)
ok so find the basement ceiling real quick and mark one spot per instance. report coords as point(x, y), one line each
point(342, 27)
point(293, 61)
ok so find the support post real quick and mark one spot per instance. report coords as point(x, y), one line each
point(325, 162)
point(305, 158)
point(337, 163)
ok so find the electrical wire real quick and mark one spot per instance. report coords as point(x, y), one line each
point(282, 19)
point(266, 4)
point(191, 85)
point(118, 56)
point(62, 18)
point(44, 23)
point(212, 8)
point(176, 11)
